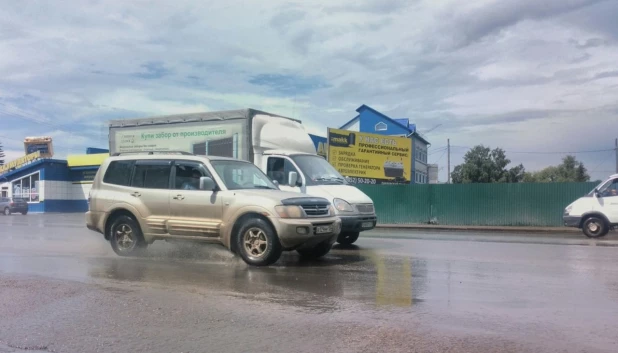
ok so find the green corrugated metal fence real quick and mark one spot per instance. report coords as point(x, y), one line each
point(524, 204)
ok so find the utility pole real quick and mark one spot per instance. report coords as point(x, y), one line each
point(616, 156)
point(448, 152)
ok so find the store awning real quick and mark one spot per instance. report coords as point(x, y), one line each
point(86, 160)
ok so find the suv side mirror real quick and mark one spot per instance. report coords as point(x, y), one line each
point(207, 183)
point(292, 178)
point(275, 182)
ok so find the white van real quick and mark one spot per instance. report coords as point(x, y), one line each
point(597, 212)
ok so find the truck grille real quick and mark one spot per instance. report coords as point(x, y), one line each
point(315, 210)
point(365, 208)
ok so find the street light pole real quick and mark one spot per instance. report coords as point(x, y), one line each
point(448, 152)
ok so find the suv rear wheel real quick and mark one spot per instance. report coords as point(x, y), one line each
point(125, 236)
point(6, 211)
point(595, 227)
point(257, 243)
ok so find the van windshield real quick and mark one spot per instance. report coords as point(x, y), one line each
point(239, 175)
point(318, 171)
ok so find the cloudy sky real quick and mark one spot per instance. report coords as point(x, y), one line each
point(525, 75)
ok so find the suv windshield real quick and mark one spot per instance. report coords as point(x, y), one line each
point(318, 170)
point(242, 175)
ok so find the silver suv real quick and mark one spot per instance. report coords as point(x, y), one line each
point(139, 198)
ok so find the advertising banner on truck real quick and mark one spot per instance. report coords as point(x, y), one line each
point(370, 158)
point(214, 139)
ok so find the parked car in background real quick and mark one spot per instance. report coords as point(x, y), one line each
point(9, 205)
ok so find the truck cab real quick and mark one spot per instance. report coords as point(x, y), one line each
point(597, 212)
point(311, 174)
point(282, 148)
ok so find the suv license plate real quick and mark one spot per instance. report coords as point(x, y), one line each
point(323, 229)
point(367, 224)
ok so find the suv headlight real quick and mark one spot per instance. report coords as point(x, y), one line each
point(342, 205)
point(290, 211)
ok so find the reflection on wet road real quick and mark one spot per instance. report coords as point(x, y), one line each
point(405, 292)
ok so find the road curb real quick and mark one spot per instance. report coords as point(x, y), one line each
point(503, 229)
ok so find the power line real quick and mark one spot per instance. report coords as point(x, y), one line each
point(437, 151)
point(10, 112)
point(552, 152)
point(443, 153)
point(603, 162)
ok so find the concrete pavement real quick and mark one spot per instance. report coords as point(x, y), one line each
point(64, 290)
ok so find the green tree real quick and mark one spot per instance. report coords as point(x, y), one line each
point(570, 170)
point(2, 155)
point(483, 165)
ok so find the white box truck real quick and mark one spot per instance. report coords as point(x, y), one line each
point(278, 145)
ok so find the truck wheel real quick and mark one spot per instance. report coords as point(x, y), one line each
point(126, 237)
point(595, 227)
point(257, 243)
point(315, 252)
point(347, 238)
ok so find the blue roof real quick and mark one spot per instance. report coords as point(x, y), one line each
point(36, 163)
point(404, 123)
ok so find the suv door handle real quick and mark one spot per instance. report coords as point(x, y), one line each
point(179, 197)
point(136, 194)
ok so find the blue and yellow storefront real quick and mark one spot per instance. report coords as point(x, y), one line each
point(51, 185)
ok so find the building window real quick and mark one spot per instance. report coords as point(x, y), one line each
point(27, 187)
point(381, 126)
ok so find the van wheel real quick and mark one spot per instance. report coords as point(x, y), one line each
point(7, 212)
point(257, 243)
point(126, 237)
point(317, 251)
point(595, 227)
point(347, 238)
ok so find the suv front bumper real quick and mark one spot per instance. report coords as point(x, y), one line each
point(295, 233)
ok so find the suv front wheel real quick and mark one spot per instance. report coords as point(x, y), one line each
point(257, 243)
point(125, 236)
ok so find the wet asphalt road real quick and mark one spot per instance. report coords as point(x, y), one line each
point(64, 290)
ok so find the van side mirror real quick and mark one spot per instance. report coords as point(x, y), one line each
point(275, 182)
point(292, 178)
point(207, 183)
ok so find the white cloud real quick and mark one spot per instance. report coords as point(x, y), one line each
point(518, 74)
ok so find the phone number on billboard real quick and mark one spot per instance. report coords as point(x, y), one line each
point(355, 180)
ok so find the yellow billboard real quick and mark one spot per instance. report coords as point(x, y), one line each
point(370, 158)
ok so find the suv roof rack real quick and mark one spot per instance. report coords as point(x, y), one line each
point(154, 152)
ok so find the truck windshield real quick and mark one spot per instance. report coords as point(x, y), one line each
point(318, 171)
point(239, 175)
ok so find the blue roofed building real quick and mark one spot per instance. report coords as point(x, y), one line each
point(372, 121)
